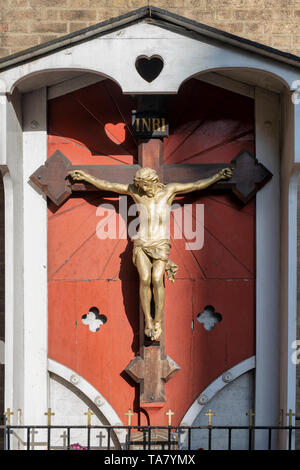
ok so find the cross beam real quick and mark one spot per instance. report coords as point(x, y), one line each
point(53, 177)
point(248, 177)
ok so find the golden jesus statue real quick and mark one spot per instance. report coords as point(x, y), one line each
point(152, 244)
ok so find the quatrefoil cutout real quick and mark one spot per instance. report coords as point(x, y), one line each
point(93, 320)
point(209, 317)
point(149, 67)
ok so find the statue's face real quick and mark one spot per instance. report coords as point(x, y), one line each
point(149, 187)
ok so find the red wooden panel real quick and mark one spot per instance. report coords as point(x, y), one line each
point(98, 357)
point(80, 154)
point(213, 125)
point(205, 355)
point(98, 117)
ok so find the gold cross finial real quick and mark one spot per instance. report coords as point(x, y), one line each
point(170, 414)
point(250, 414)
point(129, 414)
point(209, 414)
point(49, 414)
point(290, 415)
point(8, 414)
point(89, 413)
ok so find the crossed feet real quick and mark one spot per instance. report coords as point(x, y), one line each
point(153, 330)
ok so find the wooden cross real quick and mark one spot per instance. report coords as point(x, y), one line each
point(89, 413)
point(210, 414)
point(251, 414)
point(170, 414)
point(8, 414)
point(152, 368)
point(290, 415)
point(53, 177)
point(151, 371)
point(129, 414)
point(49, 414)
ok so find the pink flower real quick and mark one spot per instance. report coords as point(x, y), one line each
point(77, 446)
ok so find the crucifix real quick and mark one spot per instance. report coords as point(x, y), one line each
point(251, 415)
point(290, 415)
point(152, 185)
point(64, 436)
point(8, 414)
point(101, 436)
point(49, 414)
point(130, 413)
point(89, 413)
point(210, 414)
point(170, 414)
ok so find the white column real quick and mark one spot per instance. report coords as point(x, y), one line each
point(11, 169)
point(288, 327)
point(35, 260)
point(267, 113)
point(23, 148)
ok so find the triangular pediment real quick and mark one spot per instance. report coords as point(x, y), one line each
point(111, 49)
point(152, 15)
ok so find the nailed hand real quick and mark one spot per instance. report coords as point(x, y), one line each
point(78, 175)
point(225, 174)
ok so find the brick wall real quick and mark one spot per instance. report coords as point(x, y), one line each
point(26, 23)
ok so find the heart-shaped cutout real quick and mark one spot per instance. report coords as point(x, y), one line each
point(149, 67)
point(115, 132)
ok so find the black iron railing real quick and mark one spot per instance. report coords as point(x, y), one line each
point(148, 437)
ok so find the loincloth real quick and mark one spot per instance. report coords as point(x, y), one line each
point(157, 250)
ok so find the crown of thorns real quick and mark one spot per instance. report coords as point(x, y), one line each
point(145, 174)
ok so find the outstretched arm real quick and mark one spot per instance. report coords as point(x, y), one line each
point(79, 175)
point(183, 188)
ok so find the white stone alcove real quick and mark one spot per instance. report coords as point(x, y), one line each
point(188, 49)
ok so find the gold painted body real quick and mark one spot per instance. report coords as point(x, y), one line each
point(151, 246)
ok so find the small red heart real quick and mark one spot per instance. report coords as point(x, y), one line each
point(115, 132)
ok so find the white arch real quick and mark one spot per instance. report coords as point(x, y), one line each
point(87, 389)
point(217, 385)
point(50, 74)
